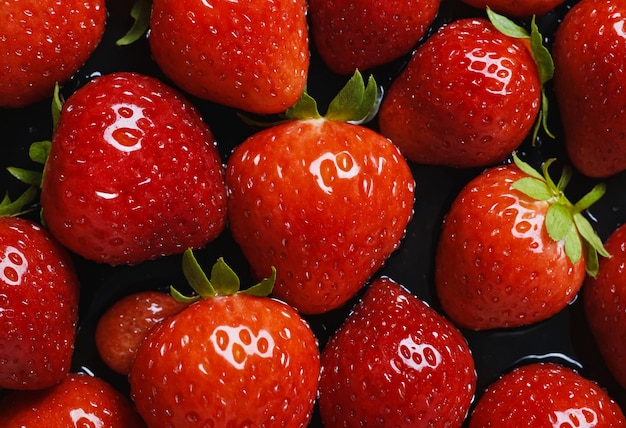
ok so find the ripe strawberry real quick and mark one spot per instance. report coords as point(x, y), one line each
point(395, 362)
point(38, 305)
point(79, 400)
point(133, 173)
point(351, 35)
point(252, 56)
point(469, 95)
point(545, 395)
point(590, 73)
point(44, 42)
point(123, 326)
point(324, 201)
point(516, 8)
point(604, 298)
point(511, 248)
point(235, 359)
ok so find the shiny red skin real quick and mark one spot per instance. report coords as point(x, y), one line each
point(79, 400)
point(589, 75)
point(228, 361)
point(352, 35)
point(123, 327)
point(517, 8)
point(39, 294)
point(44, 42)
point(323, 202)
point(452, 107)
point(545, 395)
point(496, 266)
point(133, 173)
point(396, 362)
point(250, 55)
point(604, 299)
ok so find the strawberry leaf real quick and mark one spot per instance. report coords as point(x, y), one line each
point(525, 168)
point(535, 188)
point(140, 13)
point(196, 277)
point(591, 198)
point(39, 151)
point(541, 54)
point(506, 26)
point(10, 208)
point(355, 101)
point(55, 108)
point(558, 222)
point(586, 231)
point(264, 287)
point(305, 108)
point(224, 279)
point(32, 178)
point(573, 245)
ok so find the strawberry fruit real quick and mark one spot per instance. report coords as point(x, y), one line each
point(395, 362)
point(352, 35)
point(252, 56)
point(604, 296)
point(324, 201)
point(44, 42)
point(133, 173)
point(545, 395)
point(39, 293)
point(229, 359)
point(469, 95)
point(590, 73)
point(513, 249)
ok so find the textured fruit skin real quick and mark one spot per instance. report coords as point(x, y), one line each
point(228, 361)
point(251, 55)
point(352, 35)
point(590, 72)
point(604, 300)
point(45, 42)
point(39, 294)
point(124, 326)
point(323, 202)
point(468, 97)
point(395, 362)
point(496, 266)
point(516, 8)
point(133, 173)
point(79, 400)
point(545, 395)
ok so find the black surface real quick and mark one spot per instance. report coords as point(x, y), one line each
point(563, 338)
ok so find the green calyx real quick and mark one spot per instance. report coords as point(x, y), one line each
point(356, 102)
point(541, 54)
point(140, 13)
point(21, 205)
point(223, 281)
point(564, 220)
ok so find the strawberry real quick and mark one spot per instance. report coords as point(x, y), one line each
point(590, 72)
point(604, 297)
point(133, 173)
point(511, 248)
point(324, 201)
point(79, 400)
point(516, 8)
point(395, 362)
point(39, 293)
point(252, 56)
point(229, 359)
point(44, 42)
point(469, 95)
point(123, 326)
point(545, 395)
point(351, 35)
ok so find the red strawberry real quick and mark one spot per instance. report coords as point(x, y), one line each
point(133, 173)
point(123, 326)
point(351, 35)
point(516, 8)
point(44, 42)
point(324, 201)
point(229, 359)
point(79, 400)
point(469, 95)
point(395, 362)
point(590, 75)
point(511, 248)
point(604, 298)
point(38, 306)
point(249, 55)
point(545, 395)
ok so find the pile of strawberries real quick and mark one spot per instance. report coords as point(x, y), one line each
point(421, 198)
